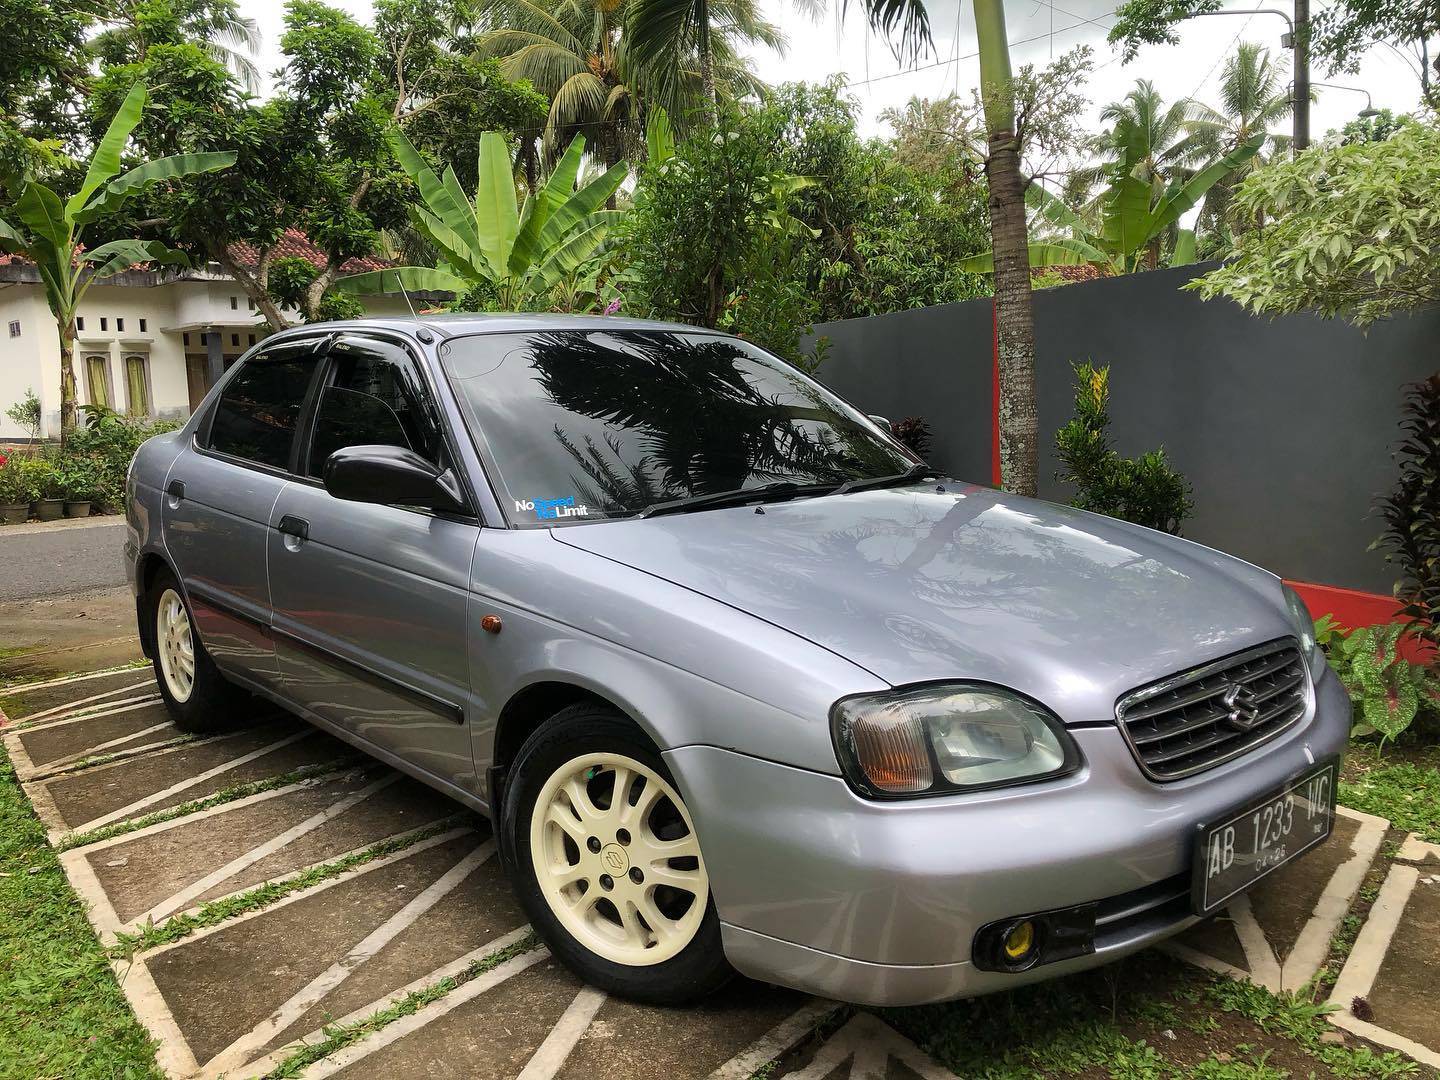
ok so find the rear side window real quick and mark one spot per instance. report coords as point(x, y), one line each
point(256, 415)
point(372, 396)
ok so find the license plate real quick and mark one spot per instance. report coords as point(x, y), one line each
point(1235, 853)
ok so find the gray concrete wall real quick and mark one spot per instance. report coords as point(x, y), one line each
point(1284, 426)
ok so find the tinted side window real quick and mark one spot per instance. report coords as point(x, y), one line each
point(372, 397)
point(256, 415)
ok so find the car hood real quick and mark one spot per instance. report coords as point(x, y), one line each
point(952, 581)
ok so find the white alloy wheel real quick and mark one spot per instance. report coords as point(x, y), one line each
point(616, 858)
point(175, 645)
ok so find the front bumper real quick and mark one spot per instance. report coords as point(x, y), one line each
point(878, 903)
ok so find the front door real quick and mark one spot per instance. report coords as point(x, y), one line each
point(369, 600)
point(196, 382)
point(218, 498)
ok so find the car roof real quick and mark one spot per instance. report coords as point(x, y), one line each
point(462, 324)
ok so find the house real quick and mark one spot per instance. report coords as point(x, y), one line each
point(148, 342)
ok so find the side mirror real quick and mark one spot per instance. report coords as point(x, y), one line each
point(883, 422)
point(390, 475)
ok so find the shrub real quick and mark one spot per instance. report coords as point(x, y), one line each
point(26, 414)
point(1412, 511)
point(17, 481)
point(107, 445)
point(1388, 690)
point(913, 433)
point(1143, 490)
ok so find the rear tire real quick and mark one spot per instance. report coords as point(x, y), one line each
point(616, 887)
point(198, 697)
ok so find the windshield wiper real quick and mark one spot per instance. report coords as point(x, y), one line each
point(865, 483)
point(783, 489)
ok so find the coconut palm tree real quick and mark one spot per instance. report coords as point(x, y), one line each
point(576, 53)
point(1254, 96)
point(216, 26)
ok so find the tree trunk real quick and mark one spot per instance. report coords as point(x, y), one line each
point(707, 79)
point(255, 287)
point(1019, 416)
point(66, 326)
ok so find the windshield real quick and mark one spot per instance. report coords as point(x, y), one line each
point(587, 424)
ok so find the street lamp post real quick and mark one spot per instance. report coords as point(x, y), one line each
point(1297, 40)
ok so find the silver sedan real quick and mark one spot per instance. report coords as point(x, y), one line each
point(742, 684)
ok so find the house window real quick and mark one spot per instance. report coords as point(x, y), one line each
point(250, 302)
point(80, 322)
point(185, 338)
point(97, 380)
point(252, 339)
point(104, 323)
point(137, 385)
point(234, 303)
point(120, 325)
point(142, 326)
point(14, 327)
point(204, 339)
point(235, 339)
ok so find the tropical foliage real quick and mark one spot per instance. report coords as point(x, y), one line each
point(1138, 210)
point(1145, 490)
point(1352, 230)
point(518, 255)
point(579, 55)
point(1387, 689)
point(49, 230)
point(1412, 511)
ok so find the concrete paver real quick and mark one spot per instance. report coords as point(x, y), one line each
point(489, 1038)
point(89, 797)
point(126, 728)
point(137, 874)
point(1405, 997)
point(267, 959)
point(626, 1039)
point(22, 703)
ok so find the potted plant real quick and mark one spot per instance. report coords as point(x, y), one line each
point(78, 479)
point(49, 495)
point(15, 491)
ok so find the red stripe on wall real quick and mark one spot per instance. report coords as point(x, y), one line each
point(995, 477)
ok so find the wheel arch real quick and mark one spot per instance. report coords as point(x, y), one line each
point(147, 568)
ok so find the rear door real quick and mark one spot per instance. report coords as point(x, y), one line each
point(369, 600)
point(218, 499)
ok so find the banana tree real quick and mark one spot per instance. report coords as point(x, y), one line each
point(49, 230)
point(1135, 214)
point(521, 253)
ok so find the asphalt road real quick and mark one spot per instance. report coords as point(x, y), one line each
point(40, 561)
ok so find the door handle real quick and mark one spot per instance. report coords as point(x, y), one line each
point(291, 525)
point(175, 489)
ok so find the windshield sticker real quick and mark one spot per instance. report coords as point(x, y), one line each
point(551, 509)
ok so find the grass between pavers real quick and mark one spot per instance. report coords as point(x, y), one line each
point(1145, 1018)
point(1400, 784)
point(342, 1035)
point(265, 894)
point(220, 798)
point(62, 1013)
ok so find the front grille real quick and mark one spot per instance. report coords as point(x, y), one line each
point(1185, 724)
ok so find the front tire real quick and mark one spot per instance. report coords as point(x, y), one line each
point(198, 697)
point(606, 862)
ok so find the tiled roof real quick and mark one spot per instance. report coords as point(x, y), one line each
point(295, 244)
point(1070, 274)
point(292, 243)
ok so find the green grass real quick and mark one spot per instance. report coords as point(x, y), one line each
point(62, 1014)
point(1406, 793)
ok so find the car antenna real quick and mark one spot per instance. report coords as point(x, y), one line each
point(423, 333)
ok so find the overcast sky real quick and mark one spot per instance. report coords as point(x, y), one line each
point(1038, 30)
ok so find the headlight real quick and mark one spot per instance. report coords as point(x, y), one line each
point(1305, 631)
point(937, 739)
